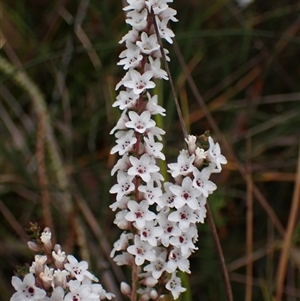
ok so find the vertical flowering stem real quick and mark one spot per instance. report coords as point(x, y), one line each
point(158, 219)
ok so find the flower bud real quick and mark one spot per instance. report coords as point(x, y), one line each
point(33, 246)
point(125, 289)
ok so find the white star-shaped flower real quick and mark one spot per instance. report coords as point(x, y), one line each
point(124, 185)
point(154, 66)
point(26, 289)
point(150, 233)
point(78, 269)
point(142, 167)
point(165, 32)
point(126, 100)
point(140, 123)
point(158, 266)
point(202, 183)
point(184, 216)
point(148, 44)
point(139, 213)
point(185, 194)
point(139, 82)
point(214, 155)
point(185, 241)
point(183, 166)
point(125, 142)
point(142, 251)
point(151, 193)
point(177, 261)
point(154, 148)
point(137, 20)
point(174, 286)
point(131, 57)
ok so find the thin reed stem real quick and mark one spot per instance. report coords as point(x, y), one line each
point(215, 236)
point(294, 213)
point(249, 230)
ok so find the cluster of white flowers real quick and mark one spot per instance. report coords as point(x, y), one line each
point(56, 276)
point(158, 221)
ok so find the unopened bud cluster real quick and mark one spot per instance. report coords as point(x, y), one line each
point(55, 276)
point(158, 218)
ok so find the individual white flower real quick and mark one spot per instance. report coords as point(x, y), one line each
point(78, 269)
point(170, 229)
point(183, 166)
point(137, 20)
point(185, 194)
point(165, 32)
point(156, 132)
point(126, 99)
point(150, 233)
point(177, 261)
point(124, 185)
point(158, 266)
point(131, 57)
point(202, 183)
point(153, 107)
point(150, 193)
point(148, 44)
point(185, 241)
point(214, 155)
point(26, 289)
point(142, 251)
point(139, 82)
point(140, 123)
point(139, 213)
point(174, 285)
point(142, 167)
point(154, 66)
point(154, 148)
point(125, 142)
point(184, 216)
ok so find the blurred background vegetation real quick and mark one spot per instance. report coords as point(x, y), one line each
point(55, 162)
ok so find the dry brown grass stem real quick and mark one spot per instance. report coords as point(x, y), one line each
point(42, 174)
point(294, 214)
point(219, 250)
point(21, 78)
point(249, 227)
